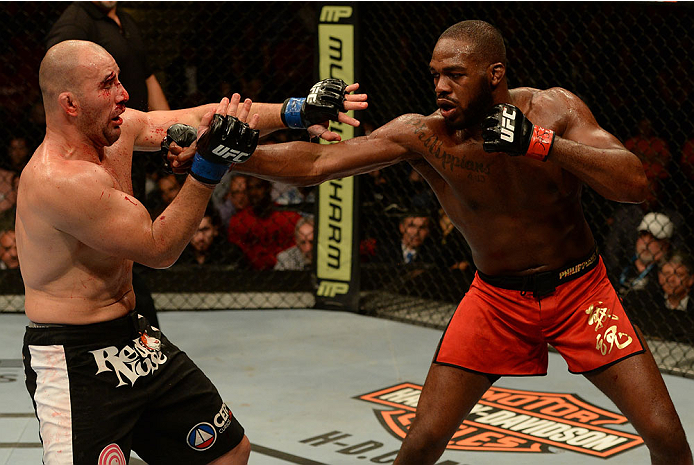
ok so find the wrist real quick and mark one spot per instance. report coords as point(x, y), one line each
point(206, 171)
point(291, 113)
point(541, 142)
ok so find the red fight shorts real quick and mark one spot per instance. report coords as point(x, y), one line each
point(501, 332)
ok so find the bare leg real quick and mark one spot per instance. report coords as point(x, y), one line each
point(447, 397)
point(236, 456)
point(637, 388)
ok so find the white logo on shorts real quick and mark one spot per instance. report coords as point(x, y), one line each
point(132, 361)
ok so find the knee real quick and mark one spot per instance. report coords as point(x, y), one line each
point(423, 445)
point(243, 451)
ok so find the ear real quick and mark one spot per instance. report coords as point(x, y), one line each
point(496, 73)
point(68, 102)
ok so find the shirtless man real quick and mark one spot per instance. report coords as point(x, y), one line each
point(514, 190)
point(102, 380)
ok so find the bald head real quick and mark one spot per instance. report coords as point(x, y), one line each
point(63, 68)
point(487, 40)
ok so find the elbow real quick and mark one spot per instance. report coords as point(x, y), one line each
point(639, 185)
point(159, 261)
point(636, 188)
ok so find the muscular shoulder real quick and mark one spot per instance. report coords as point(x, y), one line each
point(411, 129)
point(56, 183)
point(555, 108)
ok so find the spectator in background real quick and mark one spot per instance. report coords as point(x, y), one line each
point(412, 246)
point(9, 181)
point(235, 200)
point(17, 154)
point(652, 245)
point(676, 278)
point(8, 251)
point(260, 230)
point(206, 248)
point(666, 308)
point(299, 256)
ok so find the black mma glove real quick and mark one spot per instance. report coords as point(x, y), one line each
point(226, 142)
point(506, 129)
point(324, 102)
point(180, 133)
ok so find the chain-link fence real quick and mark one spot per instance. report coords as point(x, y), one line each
point(630, 62)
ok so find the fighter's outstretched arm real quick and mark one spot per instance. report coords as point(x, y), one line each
point(151, 127)
point(304, 163)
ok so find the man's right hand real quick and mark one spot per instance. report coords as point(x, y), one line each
point(224, 138)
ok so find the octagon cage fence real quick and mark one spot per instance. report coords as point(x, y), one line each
point(630, 62)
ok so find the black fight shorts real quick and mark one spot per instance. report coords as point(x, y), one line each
point(102, 390)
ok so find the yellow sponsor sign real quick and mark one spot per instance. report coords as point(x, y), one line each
point(335, 240)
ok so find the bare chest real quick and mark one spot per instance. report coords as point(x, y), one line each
point(118, 163)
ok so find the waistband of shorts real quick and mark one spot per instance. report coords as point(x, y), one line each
point(47, 334)
point(545, 282)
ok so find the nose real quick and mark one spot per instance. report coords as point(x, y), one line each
point(443, 85)
point(123, 96)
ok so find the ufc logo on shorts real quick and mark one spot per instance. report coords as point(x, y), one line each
point(225, 152)
point(508, 121)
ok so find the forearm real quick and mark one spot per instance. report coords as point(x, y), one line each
point(173, 229)
point(614, 173)
point(307, 164)
point(269, 113)
point(156, 99)
point(270, 118)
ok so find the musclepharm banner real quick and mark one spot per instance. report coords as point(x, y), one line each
point(337, 249)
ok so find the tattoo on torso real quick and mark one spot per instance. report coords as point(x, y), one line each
point(477, 171)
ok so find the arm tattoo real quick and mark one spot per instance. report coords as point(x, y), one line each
point(433, 145)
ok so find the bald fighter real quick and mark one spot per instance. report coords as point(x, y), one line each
point(103, 381)
point(508, 167)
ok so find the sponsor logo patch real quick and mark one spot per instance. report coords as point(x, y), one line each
point(202, 436)
point(112, 455)
point(131, 362)
point(515, 420)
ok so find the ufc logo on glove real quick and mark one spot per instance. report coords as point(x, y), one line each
point(508, 124)
point(226, 152)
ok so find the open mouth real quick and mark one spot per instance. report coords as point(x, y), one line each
point(447, 107)
point(117, 119)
